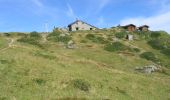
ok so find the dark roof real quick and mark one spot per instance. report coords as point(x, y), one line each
point(81, 21)
point(129, 25)
point(144, 26)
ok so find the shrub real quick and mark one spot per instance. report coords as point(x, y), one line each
point(35, 34)
point(149, 56)
point(39, 81)
point(116, 46)
point(157, 44)
point(90, 36)
point(96, 39)
point(166, 52)
point(7, 34)
point(121, 35)
point(83, 41)
point(56, 36)
point(136, 49)
point(81, 84)
point(155, 34)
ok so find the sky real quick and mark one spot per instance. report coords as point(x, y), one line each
point(34, 15)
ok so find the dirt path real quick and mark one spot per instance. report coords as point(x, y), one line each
point(10, 44)
point(44, 36)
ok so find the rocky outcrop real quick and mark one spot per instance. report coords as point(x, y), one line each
point(148, 69)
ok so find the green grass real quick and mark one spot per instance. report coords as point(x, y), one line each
point(31, 73)
point(3, 42)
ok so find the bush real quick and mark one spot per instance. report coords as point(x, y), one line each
point(90, 36)
point(56, 36)
point(157, 44)
point(96, 39)
point(121, 35)
point(81, 84)
point(116, 46)
point(33, 38)
point(35, 34)
point(83, 41)
point(7, 34)
point(166, 52)
point(39, 81)
point(155, 34)
point(136, 49)
point(149, 56)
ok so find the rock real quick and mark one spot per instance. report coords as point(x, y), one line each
point(71, 44)
point(148, 69)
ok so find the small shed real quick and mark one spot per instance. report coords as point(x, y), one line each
point(129, 37)
point(130, 27)
point(144, 28)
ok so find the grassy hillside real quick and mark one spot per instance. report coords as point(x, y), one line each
point(35, 68)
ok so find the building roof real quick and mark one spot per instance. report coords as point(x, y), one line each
point(129, 25)
point(81, 21)
point(144, 26)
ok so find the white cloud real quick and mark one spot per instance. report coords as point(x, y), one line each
point(70, 12)
point(103, 3)
point(159, 21)
point(37, 3)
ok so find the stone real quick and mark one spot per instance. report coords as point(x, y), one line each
point(71, 44)
point(148, 69)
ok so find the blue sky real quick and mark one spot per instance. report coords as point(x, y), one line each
point(31, 15)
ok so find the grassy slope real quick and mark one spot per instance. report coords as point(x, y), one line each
point(103, 70)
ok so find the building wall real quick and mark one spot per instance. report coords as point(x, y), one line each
point(131, 28)
point(144, 29)
point(81, 26)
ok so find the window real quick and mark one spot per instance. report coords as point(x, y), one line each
point(91, 28)
point(77, 28)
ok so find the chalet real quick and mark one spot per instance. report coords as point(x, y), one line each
point(129, 27)
point(80, 25)
point(144, 28)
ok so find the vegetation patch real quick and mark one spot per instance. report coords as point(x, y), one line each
point(166, 52)
point(33, 38)
point(39, 81)
point(96, 39)
point(121, 91)
point(157, 44)
point(149, 56)
point(4, 61)
point(121, 35)
point(81, 84)
point(58, 36)
point(155, 34)
point(116, 46)
point(44, 55)
point(136, 50)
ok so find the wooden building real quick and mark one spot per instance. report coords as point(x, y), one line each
point(144, 28)
point(130, 27)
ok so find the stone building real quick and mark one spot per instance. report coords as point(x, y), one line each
point(80, 25)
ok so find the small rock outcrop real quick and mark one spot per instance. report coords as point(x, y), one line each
point(71, 45)
point(148, 69)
